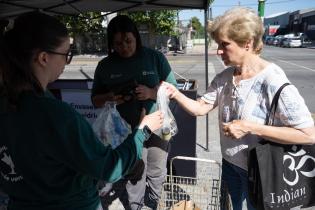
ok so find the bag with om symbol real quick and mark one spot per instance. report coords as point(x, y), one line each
point(281, 177)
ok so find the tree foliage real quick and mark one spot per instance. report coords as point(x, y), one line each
point(87, 30)
point(196, 24)
point(160, 22)
point(90, 22)
point(197, 27)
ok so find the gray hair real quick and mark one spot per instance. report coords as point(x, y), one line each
point(239, 24)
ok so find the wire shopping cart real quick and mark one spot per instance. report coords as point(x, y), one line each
point(193, 193)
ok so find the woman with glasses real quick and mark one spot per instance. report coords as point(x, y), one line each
point(144, 68)
point(68, 55)
point(50, 157)
point(243, 93)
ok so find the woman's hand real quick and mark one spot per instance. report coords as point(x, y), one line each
point(143, 93)
point(279, 134)
point(236, 129)
point(171, 90)
point(154, 120)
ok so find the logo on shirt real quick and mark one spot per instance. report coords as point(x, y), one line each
point(7, 171)
point(145, 73)
point(113, 76)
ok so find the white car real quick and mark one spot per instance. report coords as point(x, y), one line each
point(292, 42)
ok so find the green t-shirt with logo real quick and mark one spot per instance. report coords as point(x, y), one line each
point(147, 67)
point(51, 159)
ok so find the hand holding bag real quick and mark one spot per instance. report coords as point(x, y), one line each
point(110, 127)
point(280, 176)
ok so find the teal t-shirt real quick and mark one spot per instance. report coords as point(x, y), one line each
point(50, 157)
point(147, 67)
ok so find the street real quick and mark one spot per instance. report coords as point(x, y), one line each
point(298, 64)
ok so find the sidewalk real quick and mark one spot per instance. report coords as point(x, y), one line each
point(198, 49)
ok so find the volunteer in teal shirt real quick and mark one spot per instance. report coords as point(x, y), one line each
point(147, 68)
point(128, 61)
point(50, 157)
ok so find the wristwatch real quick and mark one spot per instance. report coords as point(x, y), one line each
point(147, 132)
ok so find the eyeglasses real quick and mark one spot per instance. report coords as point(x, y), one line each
point(68, 55)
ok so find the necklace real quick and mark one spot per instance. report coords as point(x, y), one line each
point(241, 91)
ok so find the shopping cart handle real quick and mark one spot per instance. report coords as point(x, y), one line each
point(194, 158)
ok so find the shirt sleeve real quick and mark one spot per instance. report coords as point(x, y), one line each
point(211, 96)
point(80, 149)
point(97, 81)
point(292, 110)
point(165, 71)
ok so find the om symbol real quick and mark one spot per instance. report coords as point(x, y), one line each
point(297, 167)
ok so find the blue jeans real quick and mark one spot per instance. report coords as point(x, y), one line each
point(4, 200)
point(234, 180)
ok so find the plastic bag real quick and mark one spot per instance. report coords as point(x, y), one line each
point(110, 127)
point(169, 127)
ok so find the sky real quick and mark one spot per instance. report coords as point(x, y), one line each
point(271, 7)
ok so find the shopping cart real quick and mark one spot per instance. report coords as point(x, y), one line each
point(193, 193)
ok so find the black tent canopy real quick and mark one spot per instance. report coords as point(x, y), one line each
point(11, 8)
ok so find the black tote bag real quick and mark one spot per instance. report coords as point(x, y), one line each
point(281, 177)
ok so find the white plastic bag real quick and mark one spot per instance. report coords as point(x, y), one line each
point(110, 127)
point(169, 127)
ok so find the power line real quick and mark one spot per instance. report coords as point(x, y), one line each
point(267, 2)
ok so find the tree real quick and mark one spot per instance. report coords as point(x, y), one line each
point(155, 24)
point(86, 30)
point(87, 22)
point(160, 22)
point(197, 27)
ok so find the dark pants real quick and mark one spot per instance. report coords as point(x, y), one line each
point(147, 188)
point(4, 200)
point(234, 182)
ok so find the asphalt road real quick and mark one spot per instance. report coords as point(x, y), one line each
point(298, 64)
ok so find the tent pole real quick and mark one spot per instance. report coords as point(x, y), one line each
point(206, 73)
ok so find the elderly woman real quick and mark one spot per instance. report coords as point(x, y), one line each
point(243, 93)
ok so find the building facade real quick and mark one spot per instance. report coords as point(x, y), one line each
point(297, 22)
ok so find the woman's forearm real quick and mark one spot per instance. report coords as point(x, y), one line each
point(284, 135)
point(193, 107)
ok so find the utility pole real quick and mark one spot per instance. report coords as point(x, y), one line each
point(261, 9)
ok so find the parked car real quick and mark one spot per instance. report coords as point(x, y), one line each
point(292, 42)
point(278, 40)
point(306, 42)
point(269, 41)
point(266, 38)
point(174, 44)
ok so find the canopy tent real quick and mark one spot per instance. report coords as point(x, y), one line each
point(11, 8)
